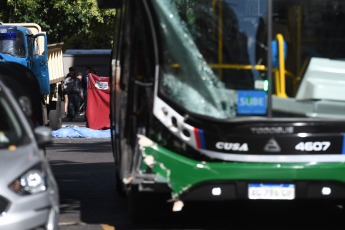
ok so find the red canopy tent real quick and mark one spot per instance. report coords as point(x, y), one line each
point(98, 102)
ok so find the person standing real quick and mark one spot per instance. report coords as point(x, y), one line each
point(74, 92)
point(84, 83)
point(71, 71)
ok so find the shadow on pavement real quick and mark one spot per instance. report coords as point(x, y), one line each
point(85, 173)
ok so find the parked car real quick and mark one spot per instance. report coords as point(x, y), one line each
point(29, 196)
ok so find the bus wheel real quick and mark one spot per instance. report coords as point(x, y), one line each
point(147, 206)
point(120, 187)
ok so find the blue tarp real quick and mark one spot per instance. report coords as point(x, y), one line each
point(75, 131)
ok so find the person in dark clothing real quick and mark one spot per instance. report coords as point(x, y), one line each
point(74, 91)
point(71, 70)
point(84, 83)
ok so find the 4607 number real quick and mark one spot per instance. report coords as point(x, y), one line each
point(313, 146)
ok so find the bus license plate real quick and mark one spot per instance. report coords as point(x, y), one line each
point(271, 191)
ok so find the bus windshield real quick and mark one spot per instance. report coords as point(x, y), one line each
point(215, 55)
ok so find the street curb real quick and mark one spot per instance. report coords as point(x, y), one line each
point(81, 140)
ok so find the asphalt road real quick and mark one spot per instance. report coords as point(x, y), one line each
point(84, 170)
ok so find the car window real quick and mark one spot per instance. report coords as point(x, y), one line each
point(12, 133)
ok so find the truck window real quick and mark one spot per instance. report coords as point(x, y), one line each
point(37, 50)
point(31, 46)
point(13, 44)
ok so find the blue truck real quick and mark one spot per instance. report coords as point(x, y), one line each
point(26, 44)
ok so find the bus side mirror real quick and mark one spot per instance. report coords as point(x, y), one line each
point(109, 4)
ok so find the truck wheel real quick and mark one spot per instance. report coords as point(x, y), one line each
point(55, 118)
point(44, 113)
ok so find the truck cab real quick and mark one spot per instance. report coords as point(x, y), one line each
point(12, 42)
point(27, 45)
point(18, 44)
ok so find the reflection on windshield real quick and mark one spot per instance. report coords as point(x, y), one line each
point(11, 132)
point(14, 45)
point(310, 29)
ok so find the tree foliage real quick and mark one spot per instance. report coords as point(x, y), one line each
point(80, 24)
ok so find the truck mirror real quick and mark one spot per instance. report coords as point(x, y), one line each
point(109, 4)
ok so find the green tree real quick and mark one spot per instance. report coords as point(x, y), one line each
point(80, 24)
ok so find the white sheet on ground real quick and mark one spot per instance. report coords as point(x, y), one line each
point(75, 131)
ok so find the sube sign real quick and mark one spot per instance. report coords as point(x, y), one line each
point(251, 102)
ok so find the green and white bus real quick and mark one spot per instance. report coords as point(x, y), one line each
point(226, 100)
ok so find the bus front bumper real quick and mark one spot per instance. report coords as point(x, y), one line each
point(188, 179)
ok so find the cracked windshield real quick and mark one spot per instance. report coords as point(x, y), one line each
point(216, 57)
